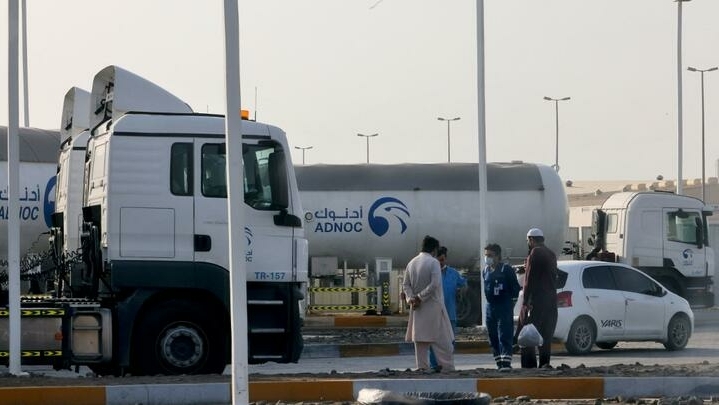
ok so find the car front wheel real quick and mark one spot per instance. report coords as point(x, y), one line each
point(678, 333)
point(581, 336)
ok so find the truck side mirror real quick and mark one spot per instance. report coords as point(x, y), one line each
point(278, 180)
point(599, 228)
point(699, 232)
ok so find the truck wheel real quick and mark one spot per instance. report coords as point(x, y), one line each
point(468, 308)
point(678, 333)
point(179, 337)
point(581, 336)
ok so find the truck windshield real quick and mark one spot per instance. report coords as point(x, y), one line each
point(257, 177)
point(682, 226)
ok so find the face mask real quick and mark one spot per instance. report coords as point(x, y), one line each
point(489, 261)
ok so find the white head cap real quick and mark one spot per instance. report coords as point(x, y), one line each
point(535, 232)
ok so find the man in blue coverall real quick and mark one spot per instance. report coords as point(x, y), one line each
point(451, 282)
point(501, 289)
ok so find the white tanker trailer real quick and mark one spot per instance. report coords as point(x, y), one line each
point(38, 164)
point(359, 213)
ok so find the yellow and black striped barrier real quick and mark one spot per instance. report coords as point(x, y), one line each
point(33, 353)
point(39, 312)
point(343, 289)
point(343, 307)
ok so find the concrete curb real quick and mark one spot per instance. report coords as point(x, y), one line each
point(347, 390)
point(355, 321)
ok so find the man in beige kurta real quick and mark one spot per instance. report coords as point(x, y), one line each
point(428, 323)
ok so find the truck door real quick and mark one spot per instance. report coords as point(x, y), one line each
point(267, 247)
point(210, 209)
point(269, 240)
point(683, 243)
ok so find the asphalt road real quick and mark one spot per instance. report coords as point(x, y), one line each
point(703, 346)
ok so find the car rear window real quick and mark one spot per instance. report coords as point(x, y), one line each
point(561, 279)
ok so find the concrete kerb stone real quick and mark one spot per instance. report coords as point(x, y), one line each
point(356, 321)
point(347, 390)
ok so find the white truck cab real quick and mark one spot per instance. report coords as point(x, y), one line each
point(155, 237)
point(664, 235)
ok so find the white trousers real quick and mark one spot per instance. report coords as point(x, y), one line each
point(443, 354)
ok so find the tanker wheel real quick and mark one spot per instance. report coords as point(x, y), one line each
point(468, 308)
point(179, 337)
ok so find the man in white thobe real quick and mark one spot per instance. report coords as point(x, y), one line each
point(428, 323)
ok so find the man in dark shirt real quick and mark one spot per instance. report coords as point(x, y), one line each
point(539, 305)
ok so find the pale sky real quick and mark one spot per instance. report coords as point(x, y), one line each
point(326, 70)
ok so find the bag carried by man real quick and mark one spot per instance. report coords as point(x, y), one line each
point(529, 336)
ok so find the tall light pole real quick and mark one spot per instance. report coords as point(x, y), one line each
point(680, 123)
point(701, 71)
point(556, 117)
point(303, 149)
point(448, 121)
point(367, 137)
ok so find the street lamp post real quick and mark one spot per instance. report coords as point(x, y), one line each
point(701, 71)
point(303, 149)
point(448, 121)
point(680, 123)
point(556, 118)
point(367, 137)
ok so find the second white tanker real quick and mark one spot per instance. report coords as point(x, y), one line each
point(361, 212)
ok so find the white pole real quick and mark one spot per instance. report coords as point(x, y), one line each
point(26, 102)
point(679, 97)
point(235, 196)
point(481, 122)
point(13, 229)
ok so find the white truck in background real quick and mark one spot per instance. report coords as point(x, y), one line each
point(663, 234)
point(67, 217)
point(146, 288)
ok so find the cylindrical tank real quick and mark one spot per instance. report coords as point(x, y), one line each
point(358, 213)
point(38, 164)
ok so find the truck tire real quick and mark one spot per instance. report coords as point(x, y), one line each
point(179, 337)
point(678, 333)
point(581, 336)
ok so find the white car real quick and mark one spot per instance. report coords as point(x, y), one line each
point(602, 303)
